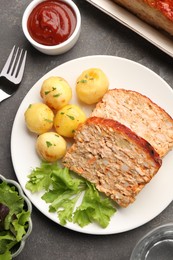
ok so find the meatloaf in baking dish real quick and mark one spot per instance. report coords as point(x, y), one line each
point(158, 13)
point(140, 114)
point(114, 158)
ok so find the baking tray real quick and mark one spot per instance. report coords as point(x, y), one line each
point(163, 42)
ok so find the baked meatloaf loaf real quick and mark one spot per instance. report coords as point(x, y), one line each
point(140, 114)
point(114, 158)
point(158, 13)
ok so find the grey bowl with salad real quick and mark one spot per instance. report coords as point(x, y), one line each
point(15, 218)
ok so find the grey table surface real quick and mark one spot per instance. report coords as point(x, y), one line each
point(100, 35)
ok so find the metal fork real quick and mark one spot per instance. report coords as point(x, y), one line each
point(13, 71)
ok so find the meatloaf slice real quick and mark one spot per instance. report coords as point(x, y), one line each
point(140, 114)
point(158, 13)
point(114, 158)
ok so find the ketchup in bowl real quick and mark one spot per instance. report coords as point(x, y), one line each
point(51, 22)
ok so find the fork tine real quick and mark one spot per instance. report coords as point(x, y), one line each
point(20, 72)
point(8, 62)
point(17, 62)
point(13, 69)
point(15, 59)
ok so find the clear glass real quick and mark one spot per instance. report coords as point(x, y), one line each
point(157, 244)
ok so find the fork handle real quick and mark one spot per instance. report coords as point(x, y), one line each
point(3, 95)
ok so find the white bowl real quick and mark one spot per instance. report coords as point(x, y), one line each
point(59, 48)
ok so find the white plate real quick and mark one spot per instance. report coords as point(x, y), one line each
point(122, 73)
point(120, 14)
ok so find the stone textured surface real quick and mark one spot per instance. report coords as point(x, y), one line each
point(100, 35)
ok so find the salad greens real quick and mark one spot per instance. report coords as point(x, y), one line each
point(63, 190)
point(13, 219)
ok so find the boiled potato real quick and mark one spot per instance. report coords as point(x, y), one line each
point(91, 85)
point(67, 120)
point(50, 146)
point(39, 118)
point(56, 92)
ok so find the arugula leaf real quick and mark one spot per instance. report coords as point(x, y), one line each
point(62, 190)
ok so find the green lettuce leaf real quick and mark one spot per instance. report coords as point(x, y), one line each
point(39, 179)
point(94, 208)
point(6, 255)
point(62, 189)
point(64, 193)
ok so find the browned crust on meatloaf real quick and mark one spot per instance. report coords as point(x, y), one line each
point(133, 137)
point(140, 114)
point(115, 159)
point(150, 13)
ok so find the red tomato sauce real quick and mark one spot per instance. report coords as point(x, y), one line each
point(51, 22)
point(164, 6)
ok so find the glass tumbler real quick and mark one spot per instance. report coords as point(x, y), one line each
point(155, 245)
